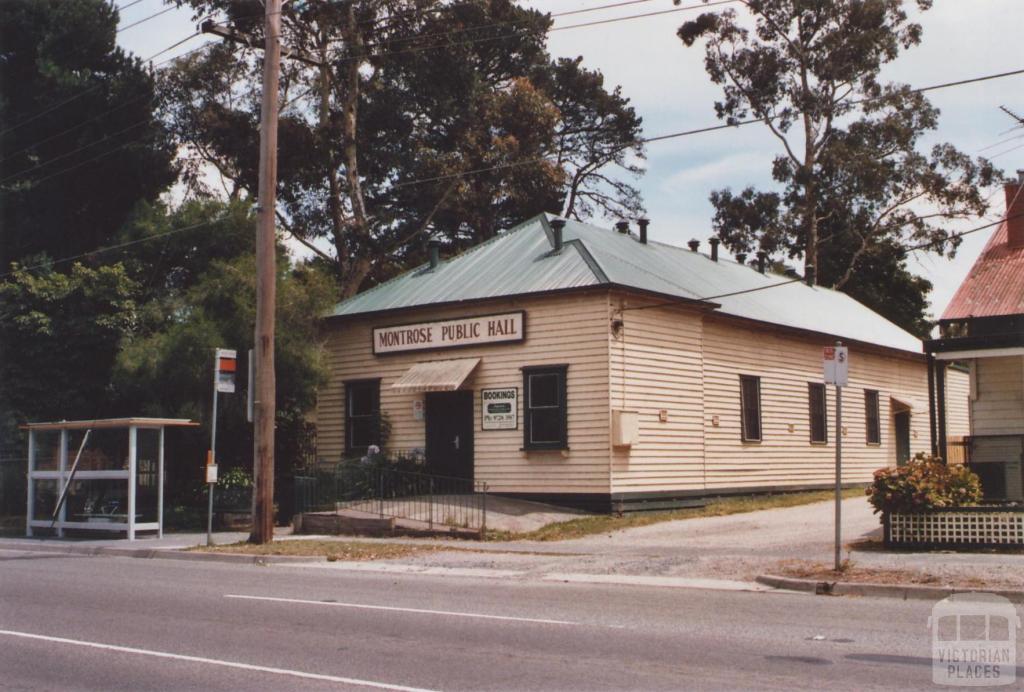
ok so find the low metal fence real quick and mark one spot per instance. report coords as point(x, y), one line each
point(380, 488)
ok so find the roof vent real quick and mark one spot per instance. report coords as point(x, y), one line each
point(622, 226)
point(762, 257)
point(741, 257)
point(434, 249)
point(643, 224)
point(714, 248)
point(557, 226)
point(694, 245)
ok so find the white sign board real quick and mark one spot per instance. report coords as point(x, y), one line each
point(836, 365)
point(211, 473)
point(465, 331)
point(224, 373)
point(499, 408)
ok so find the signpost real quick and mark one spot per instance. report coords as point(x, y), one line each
point(225, 363)
point(836, 368)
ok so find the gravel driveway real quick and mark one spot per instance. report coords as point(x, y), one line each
point(737, 546)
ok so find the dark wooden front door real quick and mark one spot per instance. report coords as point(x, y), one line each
point(450, 433)
point(901, 419)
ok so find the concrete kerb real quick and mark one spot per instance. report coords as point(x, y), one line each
point(899, 591)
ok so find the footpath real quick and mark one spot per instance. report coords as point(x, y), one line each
point(788, 549)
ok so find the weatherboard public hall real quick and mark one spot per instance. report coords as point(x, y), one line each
point(592, 367)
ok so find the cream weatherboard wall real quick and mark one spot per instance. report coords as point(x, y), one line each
point(678, 367)
point(656, 366)
point(560, 329)
point(958, 394)
point(998, 404)
point(786, 364)
point(687, 364)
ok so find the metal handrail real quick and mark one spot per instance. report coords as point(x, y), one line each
point(376, 488)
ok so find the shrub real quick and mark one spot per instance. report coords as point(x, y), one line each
point(922, 484)
point(233, 491)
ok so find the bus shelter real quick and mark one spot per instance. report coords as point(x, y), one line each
point(97, 475)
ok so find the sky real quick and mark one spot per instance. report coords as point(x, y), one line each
point(669, 88)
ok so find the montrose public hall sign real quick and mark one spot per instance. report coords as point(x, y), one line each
point(462, 331)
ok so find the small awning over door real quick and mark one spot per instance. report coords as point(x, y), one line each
point(436, 376)
point(899, 405)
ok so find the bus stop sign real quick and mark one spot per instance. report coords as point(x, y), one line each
point(836, 365)
point(227, 363)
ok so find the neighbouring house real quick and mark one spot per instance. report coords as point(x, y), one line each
point(983, 328)
point(590, 367)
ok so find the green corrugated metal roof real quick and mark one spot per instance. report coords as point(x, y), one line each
point(520, 261)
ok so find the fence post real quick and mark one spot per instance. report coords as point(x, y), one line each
point(483, 521)
point(430, 521)
point(380, 492)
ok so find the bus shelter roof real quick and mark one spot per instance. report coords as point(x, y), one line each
point(112, 423)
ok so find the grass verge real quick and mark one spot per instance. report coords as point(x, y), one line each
point(606, 523)
point(950, 576)
point(332, 550)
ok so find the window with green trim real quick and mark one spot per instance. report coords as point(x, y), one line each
point(545, 424)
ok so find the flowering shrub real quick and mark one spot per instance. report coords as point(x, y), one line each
point(924, 483)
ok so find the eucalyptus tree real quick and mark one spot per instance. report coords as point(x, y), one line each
point(856, 189)
point(404, 118)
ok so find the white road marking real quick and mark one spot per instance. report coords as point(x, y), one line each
point(215, 662)
point(421, 611)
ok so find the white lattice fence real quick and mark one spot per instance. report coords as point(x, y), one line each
point(952, 528)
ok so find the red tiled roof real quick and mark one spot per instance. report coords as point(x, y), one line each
point(995, 284)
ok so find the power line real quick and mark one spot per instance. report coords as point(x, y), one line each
point(904, 252)
point(99, 86)
point(77, 125)
point(515, 22)
point(702, 130)
point(75, 151)
point(122, 8)
point(1019, 146)
point(515, 34)
point(118, 107)
point(573, 26)
point(641, 141)
point(426, 11)
point(642, 16)
point(646, 140)
point(97, 117)
point(417, 49)
point(106, 153)
point(119, 246)
point(1000, 143)
point(123, 145)
point(603, 7)
point(146, 19)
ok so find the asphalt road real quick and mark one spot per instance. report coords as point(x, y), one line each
point(103, 623)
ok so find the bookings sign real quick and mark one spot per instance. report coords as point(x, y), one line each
point(465, 331)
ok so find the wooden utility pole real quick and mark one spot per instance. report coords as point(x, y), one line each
point(266, 290)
